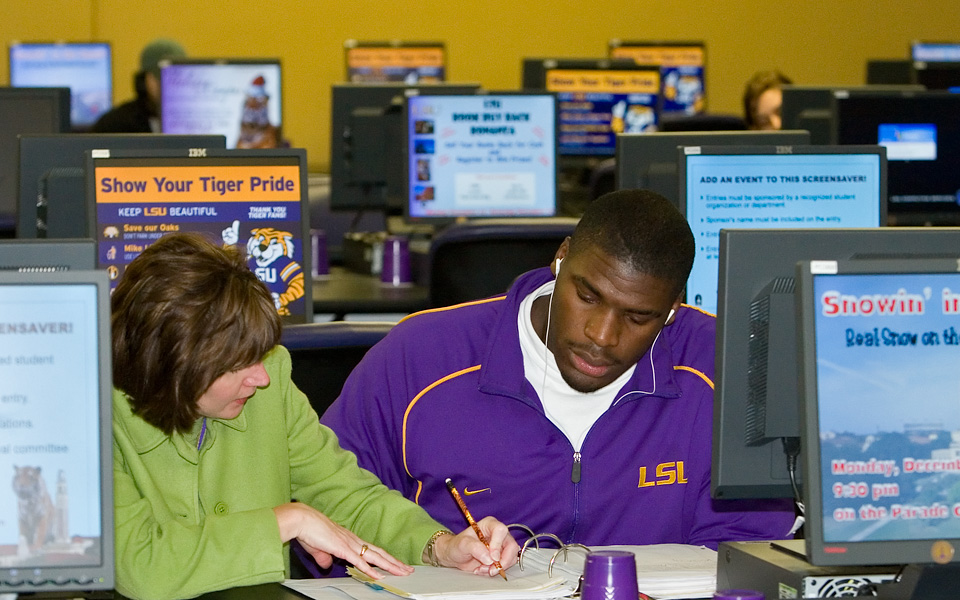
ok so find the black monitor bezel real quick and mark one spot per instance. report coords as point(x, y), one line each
point(217, 154)
point(102, 577)
point(820, 552)
point(443, 221)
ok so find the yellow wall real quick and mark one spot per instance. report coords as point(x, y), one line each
point(815, 41)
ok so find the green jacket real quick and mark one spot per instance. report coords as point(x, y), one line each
point(190, 522)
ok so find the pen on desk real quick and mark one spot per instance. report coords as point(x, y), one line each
point(472, 522)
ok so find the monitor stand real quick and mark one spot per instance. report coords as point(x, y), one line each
point(923, 582)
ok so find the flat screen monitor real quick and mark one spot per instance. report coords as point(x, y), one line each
point(938, 75)
point(51, 178)
point(935, 51)
point(683, 80)
point(57, 449)
point(367, 135)
point(810, 107)
point(48, 255)
point(774, 186)
point(649, 160)
point(922, 135)
point(756, 398)
point(254, 199)
point(481, 155)
point(25, 110)
point(881, 422)
point(241, 99)
point(395, 61)
point(886, 71)
point(85, 68)
point(597, 100)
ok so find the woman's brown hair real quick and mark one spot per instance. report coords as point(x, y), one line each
point(185, 312)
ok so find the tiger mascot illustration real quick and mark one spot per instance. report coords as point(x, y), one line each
point(35, 509)
point(271, 258)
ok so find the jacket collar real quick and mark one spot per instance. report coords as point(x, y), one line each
point(145, 437)
point(502, 369)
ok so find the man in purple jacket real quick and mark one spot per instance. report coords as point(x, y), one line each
point(579, 404)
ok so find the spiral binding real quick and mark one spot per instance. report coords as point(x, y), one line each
point(533, 541)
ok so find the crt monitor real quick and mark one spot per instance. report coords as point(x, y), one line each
point(649, 160)
point(756, 404)
point(881, 423)
point(51, 179)
point(241, 99)
point(84, 67)
point(395, 61)
point(57, 531)
point(481, 155)
point(922, 135)
point(47, 255)
point(598, 99)
point(774, 187)
point(25, 110)
point(254, 199)
point(928, 51)
point(367, 137)
point(683, 86)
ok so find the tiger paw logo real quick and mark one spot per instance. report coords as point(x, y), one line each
point(271, 255)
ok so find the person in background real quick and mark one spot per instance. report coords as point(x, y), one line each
point(598, 380)
point(212, 441)
point(142, 114)
point(762, 97)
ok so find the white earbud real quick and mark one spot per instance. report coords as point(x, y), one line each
point(557, 267)
point(670, 316)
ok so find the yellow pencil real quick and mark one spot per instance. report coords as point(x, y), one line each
point(473, 523)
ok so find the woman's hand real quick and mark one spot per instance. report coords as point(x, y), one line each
point(324, 539)
point(466, 552)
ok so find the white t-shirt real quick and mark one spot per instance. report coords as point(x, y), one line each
point(573, 412)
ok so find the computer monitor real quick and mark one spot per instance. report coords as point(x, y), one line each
point(810, 107)
point(84, 67)
point(237, 98)
point(886, 71)
point(937, 75)
point(25, 110)
point(649, 160)
point(927, 51)
point(57, 530)
point(481, 155)
point(598, 98)
point(683, 65)
point(48, 255)
point(52, 192)
point(395, 61)
point(922, 135)
point(774, 186)
point(367, 137)
point(881, 424)
point(254, 199)
point(756, 401)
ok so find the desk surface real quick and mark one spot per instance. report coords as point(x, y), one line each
point(344, 292)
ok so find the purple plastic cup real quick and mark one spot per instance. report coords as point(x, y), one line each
point(610, 575)
point(737, 595)
point(396, 261)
